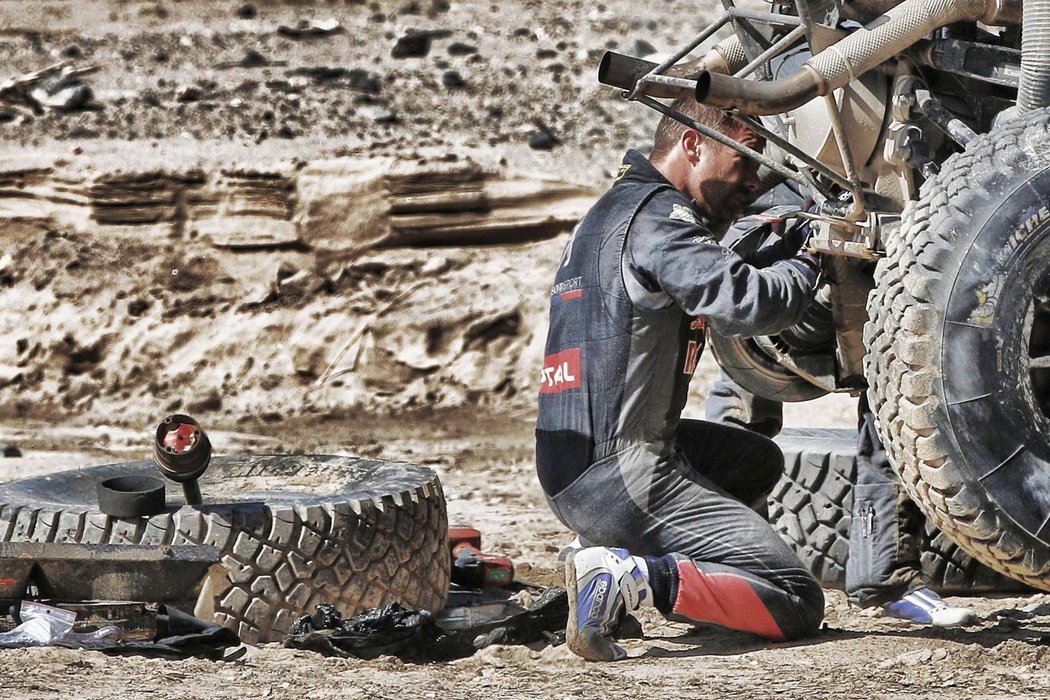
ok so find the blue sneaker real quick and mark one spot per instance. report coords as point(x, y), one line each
point(603, 585)
point(926, 607)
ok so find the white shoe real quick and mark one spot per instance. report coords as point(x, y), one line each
point(926, 607)
point(568, 550)
point(603, 585)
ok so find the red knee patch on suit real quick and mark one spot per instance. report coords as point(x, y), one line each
point(724, 599)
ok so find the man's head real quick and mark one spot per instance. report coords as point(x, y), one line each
point(721, 180)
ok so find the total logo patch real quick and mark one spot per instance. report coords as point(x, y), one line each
point(698, 324)
point(562, 371)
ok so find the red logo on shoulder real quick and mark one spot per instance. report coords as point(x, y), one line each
point(561, 372)
point(698, 324)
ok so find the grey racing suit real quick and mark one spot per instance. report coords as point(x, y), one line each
point(641, 278)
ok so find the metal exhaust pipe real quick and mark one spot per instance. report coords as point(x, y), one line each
point(620, 71)
point(846, 60)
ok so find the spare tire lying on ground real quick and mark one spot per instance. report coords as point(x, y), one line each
point(292, 531)
point(811, 507)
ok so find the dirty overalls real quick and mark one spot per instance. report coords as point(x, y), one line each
point(639, 281)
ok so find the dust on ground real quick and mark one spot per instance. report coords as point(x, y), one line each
point(100, 341)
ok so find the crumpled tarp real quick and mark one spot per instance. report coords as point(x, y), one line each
point(179, 636)
point(416, 635)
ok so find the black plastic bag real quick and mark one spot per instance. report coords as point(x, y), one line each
point(415, 635)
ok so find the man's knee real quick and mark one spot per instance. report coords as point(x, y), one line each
point(810, 611)
point(769, 467)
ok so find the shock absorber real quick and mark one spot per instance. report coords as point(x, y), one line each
point(183, 452)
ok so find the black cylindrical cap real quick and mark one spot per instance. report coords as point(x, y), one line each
point(131, 496)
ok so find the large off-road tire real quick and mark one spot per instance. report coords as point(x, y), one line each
point(292, 531)
point(811, 507)
point(958, 340)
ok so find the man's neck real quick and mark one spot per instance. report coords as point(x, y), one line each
point(672, 168)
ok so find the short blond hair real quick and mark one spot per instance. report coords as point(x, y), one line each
point(670, 130)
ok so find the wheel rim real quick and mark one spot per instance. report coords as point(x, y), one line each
point(1037, 327)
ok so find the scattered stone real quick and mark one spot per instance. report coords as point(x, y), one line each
point(137, 307)
point(285, 132)
point(247, 11)
point(546, 53)
point(357, 78)
point(302, 283)
point(440, 6)
point(310, 28)
point(458, 48)
point(379, 113)
point(416, 44)
point(211, 402)
point(453, 80)
point(9, 450)
point(363, 81)
point(188, 93)
point(253, 58)
point(7, 115)
point(914, 658)
point(71, 51)
point(150, 99)
point(82, 132)
point(643, 48)
point(161, 56)
point(543, 140)
point(62, 92)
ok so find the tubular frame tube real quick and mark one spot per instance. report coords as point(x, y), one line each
point(950, 124)
point(858, 207)
point(766, 17)
point(781, 44)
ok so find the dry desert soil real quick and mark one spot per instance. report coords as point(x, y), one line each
point(281, 235)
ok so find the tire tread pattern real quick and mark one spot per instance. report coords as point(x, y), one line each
point(812, 504)
point(903, 336)
point(282, 559)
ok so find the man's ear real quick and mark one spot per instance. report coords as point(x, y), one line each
point(691, 142)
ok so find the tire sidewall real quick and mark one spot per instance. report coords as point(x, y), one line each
point(987, 392)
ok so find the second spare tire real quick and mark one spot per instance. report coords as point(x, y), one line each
point(292, 531)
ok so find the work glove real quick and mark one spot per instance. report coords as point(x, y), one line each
point(797, 235)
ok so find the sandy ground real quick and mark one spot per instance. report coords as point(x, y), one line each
point(203, 84)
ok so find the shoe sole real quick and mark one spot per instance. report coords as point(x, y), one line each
point(584, 643)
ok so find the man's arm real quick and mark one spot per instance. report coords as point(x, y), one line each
point(681, 258)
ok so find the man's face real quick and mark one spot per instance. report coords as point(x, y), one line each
point(723, 181)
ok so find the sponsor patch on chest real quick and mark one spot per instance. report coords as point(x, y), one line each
point(680, 212)
point(562, 371)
